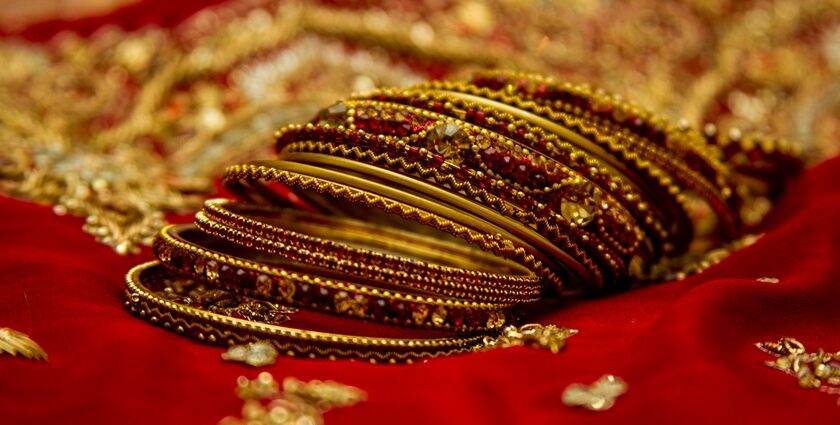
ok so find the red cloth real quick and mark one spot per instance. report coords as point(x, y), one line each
point(685, 348)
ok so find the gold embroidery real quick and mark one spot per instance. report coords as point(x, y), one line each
point(298, 403)
point(74, 137)
point(193, 293)
point(819, 370)
point(259, 353)
point(599, 396)
point(548, 337)
point(768, 279)
point(14, 343)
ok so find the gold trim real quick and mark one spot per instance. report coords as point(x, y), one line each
point(18, 343)
point(297, 403)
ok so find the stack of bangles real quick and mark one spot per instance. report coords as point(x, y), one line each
point(410, 223)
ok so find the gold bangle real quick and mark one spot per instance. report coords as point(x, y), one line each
point(434, 139)
point(714, 191)
point(449, 206)
point(238, 269)
point(599, 244)
point(544, 151)
point(450, 222)
point(152, 293)
point(402, 259)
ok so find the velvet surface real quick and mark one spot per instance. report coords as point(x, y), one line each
point(685, 348)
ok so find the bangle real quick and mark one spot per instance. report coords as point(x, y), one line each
point(597, 247)
point(535, 156)
point(338, 244)
point(239, 269)
point(692, 166)
point(583, 221)
point(449, 207)
point(216, 316)
point(443, 217)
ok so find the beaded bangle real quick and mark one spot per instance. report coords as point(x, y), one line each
point(449, 206)
point(570, 220)
point(676, 154)
point(237, 269)
point(239, 178)
point(158, 295)
point(533, 158)
point(401, 259)
point(598, 245)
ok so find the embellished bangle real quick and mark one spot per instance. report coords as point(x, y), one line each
point(666, 152)
point(238, 269)
point(447, 207)
point(399, 153)
point(759, 167)
point(189, 307)
point(373, 200)
point(532, 155)
point(580, 205)
point(338, 244)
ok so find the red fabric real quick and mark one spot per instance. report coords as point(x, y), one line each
point(685, 348)
point(164, 13)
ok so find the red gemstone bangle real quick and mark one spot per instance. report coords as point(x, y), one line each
point(423, 263)
point(238, 269)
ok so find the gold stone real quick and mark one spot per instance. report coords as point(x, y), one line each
point(345, 304)
point(439, 316)
point(636, 266)
point(165, 254)
point(483, 142)
point(199, 265)
point(211, 269)
point(601, 395)
point(580, 214)
point(448, 140)
point(285, 288)
point(420, 313)
point(822, 370)
point(18, 343)
point(809, 381)
point(263, 285)
point(257, 354)
point(783, 363)
point(495, 320)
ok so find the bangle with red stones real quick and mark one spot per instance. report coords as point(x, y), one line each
point(238, 269)
point(578, 210)
point(400, 258)
point(569, 138)
point(759, 167)
point(677, 151)
point(378, 202)
point(599, 106)
point(191, 307)
point(530, 178)
point(657, 165)
point(535, 157)
point(569, 238)
point(567, 225)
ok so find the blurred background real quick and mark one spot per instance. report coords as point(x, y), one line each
point(123, 111)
